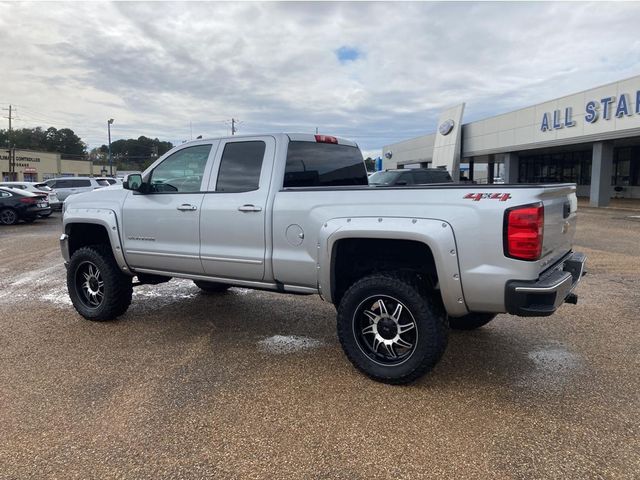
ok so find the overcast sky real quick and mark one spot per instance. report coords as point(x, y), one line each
point(374, 72)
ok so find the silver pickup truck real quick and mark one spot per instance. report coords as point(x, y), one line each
point(294, 213)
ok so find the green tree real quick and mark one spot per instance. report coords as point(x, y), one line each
point(64, 141)
point(137, 153)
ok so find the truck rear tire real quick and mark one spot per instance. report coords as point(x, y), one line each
point(390, 329)
point(212, 287)
point(98, 289)
point(471, 321)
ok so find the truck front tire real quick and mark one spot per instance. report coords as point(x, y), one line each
point(390, 329)
point(471, 321)
point(98, 289)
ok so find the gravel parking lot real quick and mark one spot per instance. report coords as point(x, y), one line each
point(251, 384)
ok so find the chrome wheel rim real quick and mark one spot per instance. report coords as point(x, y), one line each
point(89, 284)
point(385, 330)
point(8, 217)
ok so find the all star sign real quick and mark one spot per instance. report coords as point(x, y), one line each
point(605, 108)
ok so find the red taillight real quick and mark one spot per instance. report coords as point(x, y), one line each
point(326, 139)
point(524, 229)
point(29, 200)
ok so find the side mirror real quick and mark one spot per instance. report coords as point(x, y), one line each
point(133, 181)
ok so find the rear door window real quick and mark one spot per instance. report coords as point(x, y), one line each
point(80, 183)
point(103, 182)
point(63, 184)
point(312, 164)
point(240, 166)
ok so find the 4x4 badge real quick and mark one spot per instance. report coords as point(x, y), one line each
point(476, 197)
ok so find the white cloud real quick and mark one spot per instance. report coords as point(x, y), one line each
point(155, 67)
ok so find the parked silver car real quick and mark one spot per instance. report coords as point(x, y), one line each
point(65, 186)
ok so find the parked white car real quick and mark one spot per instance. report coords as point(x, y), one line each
point(37, 188)
point(65, 186)
point(112, 180)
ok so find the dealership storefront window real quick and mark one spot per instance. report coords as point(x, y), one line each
point(626, 167)
point(575, 167)
point(570, 167)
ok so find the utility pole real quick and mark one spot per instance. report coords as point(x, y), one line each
point(109, 122)
point(234, 122)
point(11, 150)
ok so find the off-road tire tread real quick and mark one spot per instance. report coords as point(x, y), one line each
point(430, 307)
point(121, 286)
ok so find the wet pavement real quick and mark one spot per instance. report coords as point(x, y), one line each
point(251, 384)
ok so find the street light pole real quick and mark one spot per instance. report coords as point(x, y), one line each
point(109, 122)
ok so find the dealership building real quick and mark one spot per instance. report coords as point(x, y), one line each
point(591, 138)
point(34, 166)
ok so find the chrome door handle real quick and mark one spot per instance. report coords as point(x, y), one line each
point(249, 208)
point(187, 207)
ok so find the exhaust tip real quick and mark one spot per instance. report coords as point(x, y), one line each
point(572, 298)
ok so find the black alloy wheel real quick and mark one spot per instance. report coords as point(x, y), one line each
point(8, 216)
point(385, 330)
point(89, 284)
point(391, 327)
point(98, 289)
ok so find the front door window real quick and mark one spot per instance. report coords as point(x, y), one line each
point(181, 172)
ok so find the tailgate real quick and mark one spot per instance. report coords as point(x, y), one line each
point(560, 212)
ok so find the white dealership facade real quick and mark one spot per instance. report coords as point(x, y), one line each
point(591, 138)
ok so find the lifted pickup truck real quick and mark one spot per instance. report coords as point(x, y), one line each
point(295, 214)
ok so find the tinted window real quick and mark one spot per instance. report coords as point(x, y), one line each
point(240, 167)
point(383, 178)
point(421, 176)
point(103, 182)
point(182, 171)
point(110, 181)
point(431, 176)
point(406, 178)
point(63, 184)
point(80, 183)
point(323, 164)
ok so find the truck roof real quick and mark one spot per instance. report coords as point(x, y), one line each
point(294, 137)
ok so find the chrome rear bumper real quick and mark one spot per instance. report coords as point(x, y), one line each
point(542, 297)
